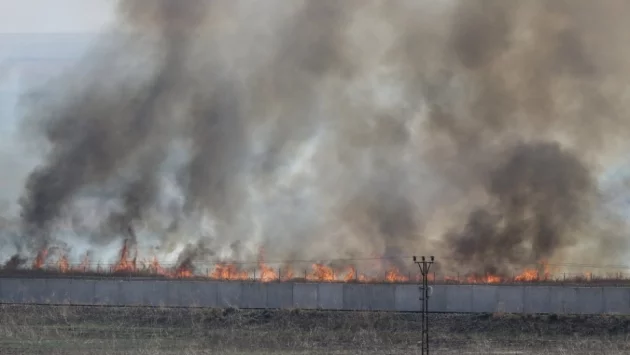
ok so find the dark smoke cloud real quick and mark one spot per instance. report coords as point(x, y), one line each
point(218, 149)
point(539, 195)
point(98, 132)
point(191, 253)
point(475, 130)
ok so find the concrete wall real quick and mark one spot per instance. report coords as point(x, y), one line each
point(329, 296)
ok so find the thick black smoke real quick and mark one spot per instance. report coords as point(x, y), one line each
point(539, 197)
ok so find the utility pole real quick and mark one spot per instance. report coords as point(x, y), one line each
point(425, 292)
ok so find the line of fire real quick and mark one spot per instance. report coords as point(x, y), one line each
point(48, 264)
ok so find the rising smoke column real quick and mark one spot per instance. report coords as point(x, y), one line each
point(540, 198)
point(327, 129)
point(98, 132)
point(532, 132)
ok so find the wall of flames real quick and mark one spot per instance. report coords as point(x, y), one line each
point(128, 264)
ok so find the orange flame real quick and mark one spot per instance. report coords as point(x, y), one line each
point(393, 275)
point(63, 264)
point(40, 259)
point(288, 274)
point(488, 279)
point(224, 271)
point(124, 263)
point(156, 268)
point(527, 275)
point(267, 273)
point(351, 275)
point(183, 272)
point(542, 272)
point(321, 273)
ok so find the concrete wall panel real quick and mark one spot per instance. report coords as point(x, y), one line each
point(510, 299)
point(305, 295)
point(564, 300)
point(25, 291)
point(590, 300)
point(133, 293)
point(172, 297)
point(229, 294)
point(58, 291)
point(280, 295)
point(459, 298)
point(107, 292)
point(12, 291)
point(385, 297)
point(407, 298)
point(183, 293)
point(254, 295)
point(356, 297)
point(156, 292)
point(382, 297)
point(81, 292)
point(538, 299)
point(437, 299)
point(330, 296)
point(207, 294)
point(36, 291)
point(617, 300)
point(484, 298)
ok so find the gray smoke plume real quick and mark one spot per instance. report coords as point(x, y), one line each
point(541, 196)
point(551, 86)
point(100, 131)
point(474, 130)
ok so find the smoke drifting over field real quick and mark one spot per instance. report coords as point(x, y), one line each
point(474, 130)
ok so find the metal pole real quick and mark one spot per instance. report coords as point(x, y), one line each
point(425, 266)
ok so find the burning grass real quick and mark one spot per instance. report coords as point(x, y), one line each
point(46, 264)
point(106, 330)
point(226, 273)
point(53, 262)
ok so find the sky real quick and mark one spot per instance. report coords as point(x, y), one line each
point(55, 16)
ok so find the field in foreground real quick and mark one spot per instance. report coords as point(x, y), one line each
point(161, 331)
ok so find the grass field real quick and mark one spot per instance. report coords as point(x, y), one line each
point(161, 331)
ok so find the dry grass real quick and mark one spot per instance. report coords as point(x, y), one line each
point(161, 331)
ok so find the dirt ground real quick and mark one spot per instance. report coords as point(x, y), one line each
point(161, 331)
